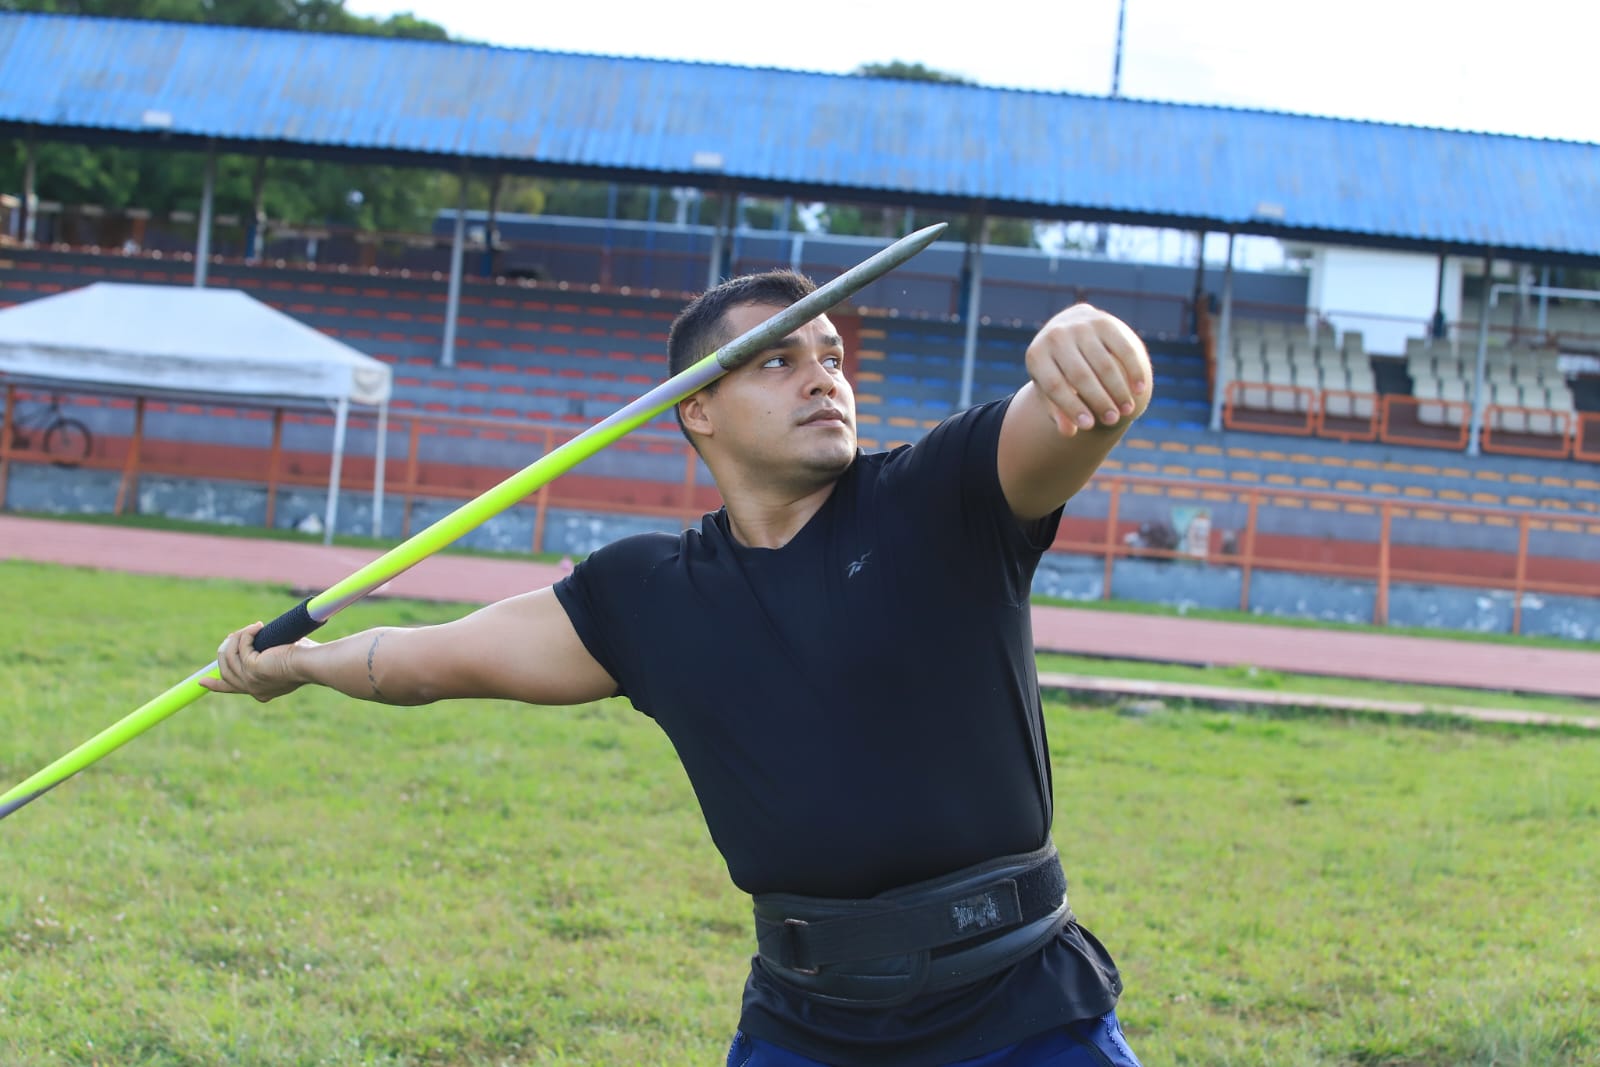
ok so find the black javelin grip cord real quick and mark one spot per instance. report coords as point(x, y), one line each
point(287, 628)
point(306, 616)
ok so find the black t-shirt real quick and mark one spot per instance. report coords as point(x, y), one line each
point(858, 710)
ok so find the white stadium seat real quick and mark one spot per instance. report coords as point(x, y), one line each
point(1455, 390)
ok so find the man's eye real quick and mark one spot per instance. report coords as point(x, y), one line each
point(775, 361)
point(834, 361)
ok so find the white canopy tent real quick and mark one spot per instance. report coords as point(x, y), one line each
point(204, 342)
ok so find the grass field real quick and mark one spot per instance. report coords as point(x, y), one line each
point(320, 881)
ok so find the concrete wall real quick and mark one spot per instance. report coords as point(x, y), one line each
point(1388, 296)
point(1192, 584)
point(1019, 283)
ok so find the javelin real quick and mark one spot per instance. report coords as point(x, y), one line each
point(311, 613)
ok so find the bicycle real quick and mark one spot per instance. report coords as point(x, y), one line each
point(63, 438)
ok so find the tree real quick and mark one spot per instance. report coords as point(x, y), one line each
point(911, 72)
point(518, 195)
point(315, 16)
point(296, 191)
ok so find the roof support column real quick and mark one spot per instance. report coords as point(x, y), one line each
point(974, 272)
point(30, 196)
point(379, 460)
point(341, 419)
point(208, 196)
point(1199, 282)
point(734, 230)
point(652, 210)
point(258, 214)
point(1544, 302)
point(1476, 428)
point(607, 248)
point(1524, 279)
point(1223, 353)
point(452, 304)
point(1441, 328)
point(718, 240)
point(489, 242)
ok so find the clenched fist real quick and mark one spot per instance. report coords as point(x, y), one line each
point(1092, 369)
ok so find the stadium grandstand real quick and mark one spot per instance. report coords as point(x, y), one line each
point(1405, 431)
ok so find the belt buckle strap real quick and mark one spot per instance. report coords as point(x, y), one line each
point(793, 941)
point(807, 935)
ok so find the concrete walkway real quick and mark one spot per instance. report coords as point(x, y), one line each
point(477, 580)
point(1094, 689)
point(1298, 650)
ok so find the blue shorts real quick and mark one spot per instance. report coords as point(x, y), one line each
point(1090, 1043)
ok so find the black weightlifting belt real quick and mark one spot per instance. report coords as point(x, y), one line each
point(945, 932)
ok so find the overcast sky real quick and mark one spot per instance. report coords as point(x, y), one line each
point(1524, 68)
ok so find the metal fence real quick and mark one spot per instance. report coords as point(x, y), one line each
point(1250, 530)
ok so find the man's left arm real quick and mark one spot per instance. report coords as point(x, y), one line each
point(1089, 378)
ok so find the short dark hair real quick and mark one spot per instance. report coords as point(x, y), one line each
point(699, 329)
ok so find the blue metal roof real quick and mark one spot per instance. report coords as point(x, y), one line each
point(1021, 152)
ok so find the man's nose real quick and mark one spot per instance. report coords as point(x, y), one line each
point(821, 381)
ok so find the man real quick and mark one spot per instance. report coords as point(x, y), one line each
point(867, 745)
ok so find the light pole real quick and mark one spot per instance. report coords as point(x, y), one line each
point(1116, 62)
point(1102, 233)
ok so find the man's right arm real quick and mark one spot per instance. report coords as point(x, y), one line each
point(523, 648)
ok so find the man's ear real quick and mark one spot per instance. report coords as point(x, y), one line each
point(696, 418)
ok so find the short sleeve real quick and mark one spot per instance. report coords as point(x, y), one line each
point(596, 597)
point(950, 480)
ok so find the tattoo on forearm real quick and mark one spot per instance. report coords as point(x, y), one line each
point(372, 680)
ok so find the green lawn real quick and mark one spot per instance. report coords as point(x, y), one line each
point(320, 881)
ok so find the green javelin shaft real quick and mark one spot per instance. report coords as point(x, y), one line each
point(314, 612)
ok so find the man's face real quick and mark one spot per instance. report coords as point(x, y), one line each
point(788, 412)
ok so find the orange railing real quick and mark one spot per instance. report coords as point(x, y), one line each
point(1254, 545)
point(1519, 431)
point(412, 474)
point(1348, 416)
point(1425, 423)
point(1401, 419)
point(684, 500)
point(1270, 407)
point(1430, 422)
point(1269, 537)
point(1586, 445)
